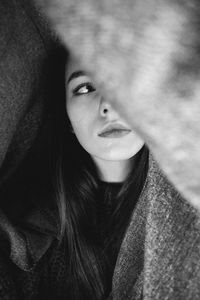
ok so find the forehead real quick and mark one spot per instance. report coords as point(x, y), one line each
point(72, 66)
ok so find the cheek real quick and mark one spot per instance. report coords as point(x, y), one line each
point(75, 112)
point(81, 120)
point(82, 112)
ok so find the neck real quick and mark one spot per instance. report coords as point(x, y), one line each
point(113, 171)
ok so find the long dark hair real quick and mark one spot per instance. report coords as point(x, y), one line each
point(76, 186)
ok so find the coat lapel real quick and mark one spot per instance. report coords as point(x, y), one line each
point(172, 252)
point(160, 254)
point(128, 272)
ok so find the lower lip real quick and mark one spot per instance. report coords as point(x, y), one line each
point(117, 133)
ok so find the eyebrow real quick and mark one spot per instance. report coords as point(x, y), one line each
point(75, 75)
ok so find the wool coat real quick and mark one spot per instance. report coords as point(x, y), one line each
point(159, 256)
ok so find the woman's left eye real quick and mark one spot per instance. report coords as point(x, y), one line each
point(83, 89)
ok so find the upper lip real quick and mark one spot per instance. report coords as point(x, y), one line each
point(115, 126)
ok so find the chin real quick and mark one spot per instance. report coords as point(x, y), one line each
point(121, 154)
point(116, 156)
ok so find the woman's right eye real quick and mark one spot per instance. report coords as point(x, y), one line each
point(83, 89)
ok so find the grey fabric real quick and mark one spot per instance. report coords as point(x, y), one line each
point(29, 241)
point(25, 43)
point(160, 254)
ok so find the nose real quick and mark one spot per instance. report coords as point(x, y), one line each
point(106, 109)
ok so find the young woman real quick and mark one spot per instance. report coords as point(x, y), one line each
point(118, 212)
point(101, 172)
point(108, 225)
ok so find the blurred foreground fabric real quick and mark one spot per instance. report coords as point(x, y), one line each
point(145, 56)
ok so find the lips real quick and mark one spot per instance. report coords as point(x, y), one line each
point(114, 130)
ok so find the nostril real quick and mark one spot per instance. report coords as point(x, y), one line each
point(105, 110)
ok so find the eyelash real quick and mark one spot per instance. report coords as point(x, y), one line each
point(87, 85)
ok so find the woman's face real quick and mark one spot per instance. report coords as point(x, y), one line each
point(99, 128)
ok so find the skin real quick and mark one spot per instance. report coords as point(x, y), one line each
point(90, 113)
